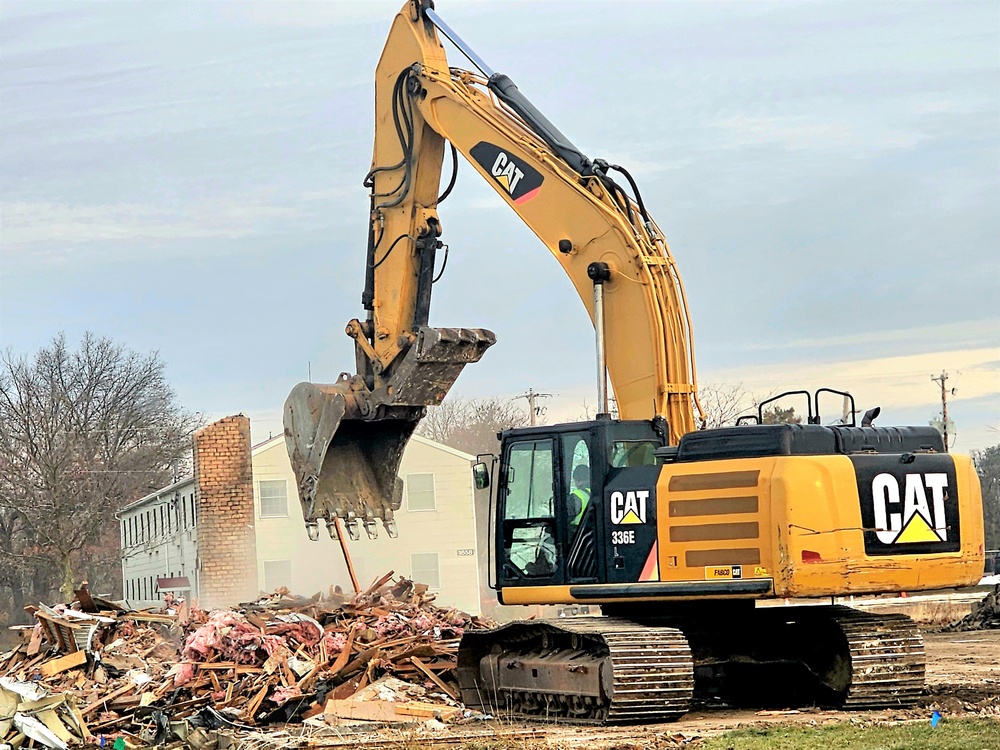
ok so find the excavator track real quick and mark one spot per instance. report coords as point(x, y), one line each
point(587, 669)
point(887, 661)
point(808, 655)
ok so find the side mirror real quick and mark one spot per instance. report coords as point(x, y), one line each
point(481, 475)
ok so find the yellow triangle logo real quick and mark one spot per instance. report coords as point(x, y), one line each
point(631, 517)
point(505, 181)
point(917, 530)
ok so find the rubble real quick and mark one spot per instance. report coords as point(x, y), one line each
point(985, 615)
point(92, 671)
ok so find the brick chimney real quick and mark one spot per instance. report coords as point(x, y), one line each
point(227, 548)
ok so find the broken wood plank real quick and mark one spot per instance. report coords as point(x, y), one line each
point(35, 644)
point(63, 663)
point(343, 656)
point(360, 661)
point(225, 666)
point(363, 710)
point(255, 702)
point(347, 554)
point(434, 678)
point(378, 584)
point(104, 700)
point(428, 710)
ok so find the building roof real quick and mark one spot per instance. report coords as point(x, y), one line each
point(270, 443)
point(157, 493)
point(267, 445)
point(443, 447)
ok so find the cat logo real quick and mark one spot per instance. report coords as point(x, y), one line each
point(911, 514)
point(520, 182)
point(506, 172)
point(628, 507)
point(908, 507)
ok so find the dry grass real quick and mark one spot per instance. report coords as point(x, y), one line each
point(950, 734)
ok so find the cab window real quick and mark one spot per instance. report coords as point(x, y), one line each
point(529, 528)
point(529, 480)
point(633, 453)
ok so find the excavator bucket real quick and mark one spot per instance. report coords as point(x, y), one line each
point(346, 440)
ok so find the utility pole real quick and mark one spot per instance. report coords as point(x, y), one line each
point(942, 379)
point(534, 411)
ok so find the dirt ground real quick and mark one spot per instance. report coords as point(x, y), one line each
point(963, 679)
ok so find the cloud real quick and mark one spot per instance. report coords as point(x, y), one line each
point(26, 223)
point(972, 333)
point(800, 133)
point(899, 382)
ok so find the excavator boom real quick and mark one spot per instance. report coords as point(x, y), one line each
point(345, 439)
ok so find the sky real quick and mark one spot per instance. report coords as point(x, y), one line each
point(186, 178)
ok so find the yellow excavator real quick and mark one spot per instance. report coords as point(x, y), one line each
point(680, 534)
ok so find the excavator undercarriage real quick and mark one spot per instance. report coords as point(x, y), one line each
point(615, 669)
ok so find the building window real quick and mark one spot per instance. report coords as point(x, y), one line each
point(420, 492)
point(277, 573)
point(424, 567)
point(273, 498)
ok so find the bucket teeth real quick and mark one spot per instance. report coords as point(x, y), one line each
point(345, 440)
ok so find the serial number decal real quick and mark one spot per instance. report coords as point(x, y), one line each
point(466, 552)
point(723, 571)
point(623, 537)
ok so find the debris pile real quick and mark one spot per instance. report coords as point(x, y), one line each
point(91, 669)
point(985, 615)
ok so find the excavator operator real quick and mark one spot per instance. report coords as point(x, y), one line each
point(579, 496)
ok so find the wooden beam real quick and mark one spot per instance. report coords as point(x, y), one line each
point(63, 663)
point(347, 555)
point(434, 678)
point(104, 700)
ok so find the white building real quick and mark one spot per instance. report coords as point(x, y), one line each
point(437, 529)
point(436, 543)
point(159, 538)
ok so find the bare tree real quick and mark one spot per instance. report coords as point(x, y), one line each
point(471, 425)
point(724, 403)
point(82, 433)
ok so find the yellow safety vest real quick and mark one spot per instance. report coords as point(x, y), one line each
point(584, 497)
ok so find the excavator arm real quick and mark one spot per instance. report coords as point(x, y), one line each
point(346, 439)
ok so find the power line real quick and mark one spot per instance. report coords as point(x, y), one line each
point(533, 410)
point(943, 379)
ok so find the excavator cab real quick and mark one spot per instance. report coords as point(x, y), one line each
point(549, 492)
